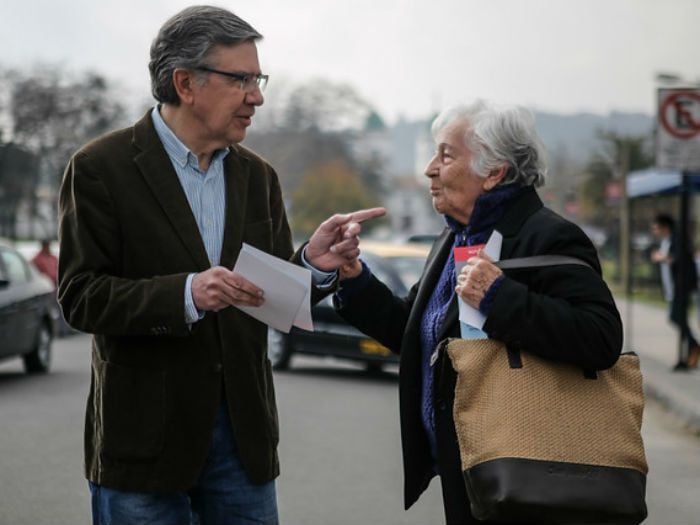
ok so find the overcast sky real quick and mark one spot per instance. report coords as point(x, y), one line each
point(407, 57)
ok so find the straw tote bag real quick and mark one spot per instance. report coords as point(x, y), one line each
point(544, 442)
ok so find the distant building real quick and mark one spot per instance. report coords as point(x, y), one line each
point(405, 148)
point(403, 151)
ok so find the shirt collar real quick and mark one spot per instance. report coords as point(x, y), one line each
point(174, 147)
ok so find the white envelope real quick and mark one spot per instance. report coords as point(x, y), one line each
point(287, 289)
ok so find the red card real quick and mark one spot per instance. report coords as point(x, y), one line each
point(464, 253)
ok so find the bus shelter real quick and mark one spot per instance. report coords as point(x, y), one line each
point(655, 182)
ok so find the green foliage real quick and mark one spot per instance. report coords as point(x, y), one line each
point(325, 190)
point(374, 122)
point(313, 126)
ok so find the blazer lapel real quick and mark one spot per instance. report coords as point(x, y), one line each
point(237, 173)
point(158, 171)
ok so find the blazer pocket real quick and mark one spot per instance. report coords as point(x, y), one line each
point(259, 234)
point(133, 412)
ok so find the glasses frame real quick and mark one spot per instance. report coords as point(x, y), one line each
point(249, 81)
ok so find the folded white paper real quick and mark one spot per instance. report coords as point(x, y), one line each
point(468, 314)
point(287, 289)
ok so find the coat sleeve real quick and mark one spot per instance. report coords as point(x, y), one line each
point(378, 313)
point(93, 297)
point(563, 313)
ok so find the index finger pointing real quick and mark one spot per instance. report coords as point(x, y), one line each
point(365, 215)
point(338, 220)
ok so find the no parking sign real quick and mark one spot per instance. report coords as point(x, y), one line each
point(678, 130)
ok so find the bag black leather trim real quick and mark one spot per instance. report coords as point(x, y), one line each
point(532, 485)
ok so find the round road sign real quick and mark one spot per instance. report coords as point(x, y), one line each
point(680, 114)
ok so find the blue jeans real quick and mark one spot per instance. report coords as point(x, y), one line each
point(223, 494)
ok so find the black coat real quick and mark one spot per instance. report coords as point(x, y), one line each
point(685, 285)
point(563, 313)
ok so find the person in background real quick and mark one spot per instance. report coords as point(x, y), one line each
point(668, 258)
point(46, 262)
point(488, 161)
point(181, 421)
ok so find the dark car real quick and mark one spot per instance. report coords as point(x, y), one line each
point(398, 266)
point(28, 312)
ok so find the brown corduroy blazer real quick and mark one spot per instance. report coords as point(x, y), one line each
point(128, 240)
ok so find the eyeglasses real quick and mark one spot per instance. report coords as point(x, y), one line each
point(248, 81)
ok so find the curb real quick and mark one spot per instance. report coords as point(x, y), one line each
point(678, 392)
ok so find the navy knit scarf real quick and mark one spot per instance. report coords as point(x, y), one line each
point(488, 210)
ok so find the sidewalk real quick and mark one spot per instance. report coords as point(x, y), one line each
point(656, 341)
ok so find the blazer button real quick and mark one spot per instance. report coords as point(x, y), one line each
point(217, 368)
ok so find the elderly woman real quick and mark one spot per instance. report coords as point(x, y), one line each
point(487, 163)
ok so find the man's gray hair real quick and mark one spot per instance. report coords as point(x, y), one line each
point(185, 41)
point(498, 136)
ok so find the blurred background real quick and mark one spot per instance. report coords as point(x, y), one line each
point(353, 89)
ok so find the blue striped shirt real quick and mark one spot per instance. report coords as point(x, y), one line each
point(206, 194)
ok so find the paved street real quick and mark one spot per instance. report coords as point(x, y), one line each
point(340, 449)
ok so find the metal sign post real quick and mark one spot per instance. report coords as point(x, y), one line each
point(678, 147)
point(678, 130)
point(681, 287)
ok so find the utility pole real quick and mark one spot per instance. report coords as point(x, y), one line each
point(678, 148)
point(625, 252)
point(681, 286)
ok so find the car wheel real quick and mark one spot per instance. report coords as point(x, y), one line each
point(38, 361)
point(279, 350)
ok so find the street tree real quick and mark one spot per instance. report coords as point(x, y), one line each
point(311, 125)
point(325, 190)
point(603, 171)
point(51, 113)
point(19, 173)
point(326, 106)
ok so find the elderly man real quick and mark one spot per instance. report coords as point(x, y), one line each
point(181, 423)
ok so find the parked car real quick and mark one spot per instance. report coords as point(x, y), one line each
point(423, 238)
point(28, 312)
point(399, 266)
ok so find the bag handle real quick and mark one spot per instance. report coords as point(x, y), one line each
point(515, 361)
point(539, 261)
